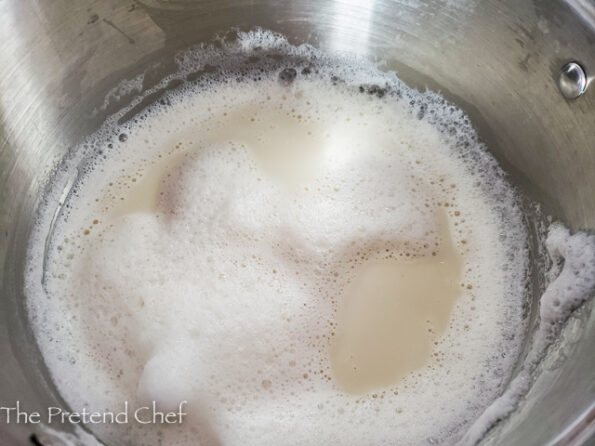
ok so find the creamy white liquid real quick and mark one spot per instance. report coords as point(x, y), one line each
point(304, 264)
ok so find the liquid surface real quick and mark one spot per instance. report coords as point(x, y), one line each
point(316, 256)
point(391, 313)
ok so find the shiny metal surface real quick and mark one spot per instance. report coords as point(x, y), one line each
point(572, 80)
point(498, 59)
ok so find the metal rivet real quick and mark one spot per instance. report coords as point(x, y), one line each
point(572, 80)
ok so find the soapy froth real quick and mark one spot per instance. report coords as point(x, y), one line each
point(204, 253)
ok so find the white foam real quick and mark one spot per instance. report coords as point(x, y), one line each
point(222, 294)
point(572, 282)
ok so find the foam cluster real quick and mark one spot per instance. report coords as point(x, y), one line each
point(202, 253)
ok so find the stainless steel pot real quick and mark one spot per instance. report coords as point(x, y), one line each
point(499, 60)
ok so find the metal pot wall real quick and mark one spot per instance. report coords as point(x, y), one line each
point(499, 60)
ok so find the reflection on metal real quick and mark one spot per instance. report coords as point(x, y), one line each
point(351, 22)
point(572, 80)
point(585, 9)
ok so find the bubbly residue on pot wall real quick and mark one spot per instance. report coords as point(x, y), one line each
point(572, 282)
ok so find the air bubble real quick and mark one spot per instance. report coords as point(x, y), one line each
point(287, 76)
